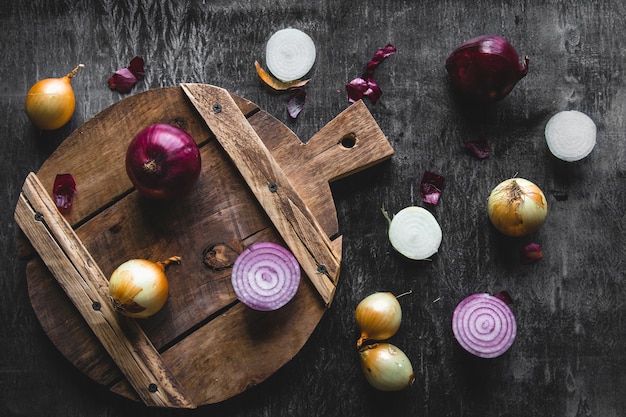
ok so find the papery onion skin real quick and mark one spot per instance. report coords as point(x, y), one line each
point(50, 103)
point(517, 207)
point(274, 82)
point(530, 253)
point(486, 68)
point(124, 79)
point(431, 187)
point(296, 101)
point(484, 325)
point(163, 162)
point(139, 288)
point(366, 85)
point(63, 191)
point(378, 317)
point(265, 276)
point(386, 367)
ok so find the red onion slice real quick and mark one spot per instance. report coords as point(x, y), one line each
point(265, 276)
point(484, 325)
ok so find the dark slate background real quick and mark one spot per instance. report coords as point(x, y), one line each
point(570, 355)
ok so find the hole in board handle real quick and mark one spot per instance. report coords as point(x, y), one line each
point(348, 141)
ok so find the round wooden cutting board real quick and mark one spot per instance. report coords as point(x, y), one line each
point(213, 346)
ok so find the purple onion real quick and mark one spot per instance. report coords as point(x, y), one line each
point(265, 276)
point(163, 162)
point(484, 325)
point(486, 68)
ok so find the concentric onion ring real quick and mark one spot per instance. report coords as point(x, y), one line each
point(265, 276)
point(484, 325)
point(415, 233)
point(570, 135)
point(289, 54)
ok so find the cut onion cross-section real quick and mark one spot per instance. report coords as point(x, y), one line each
point(265, 276)
point(570, 135)
point(289, 54)
point(484, 325)
point(414, 232)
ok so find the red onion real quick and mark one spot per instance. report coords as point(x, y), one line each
point(163, 162)
point(484, 325)
point(265, 276)
point(486, 68)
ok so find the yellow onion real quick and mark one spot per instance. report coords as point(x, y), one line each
point(139, 288)
point(517, 207)
point(386, 367)
point(378, 317)
point(50, 102)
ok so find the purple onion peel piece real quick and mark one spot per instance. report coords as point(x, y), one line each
point(63, 191)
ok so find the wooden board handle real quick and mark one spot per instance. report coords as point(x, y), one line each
point(360, 144)
point(285, 208)
point(87, 287)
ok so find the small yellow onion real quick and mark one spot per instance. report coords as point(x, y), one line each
point(139, 288)
point(386, 367)
point(378, 317)
point(50, 102)
point(517, 207)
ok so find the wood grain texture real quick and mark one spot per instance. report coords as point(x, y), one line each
point(86, 286)
point(270, 185)
point(569, 358)
point(222, 210)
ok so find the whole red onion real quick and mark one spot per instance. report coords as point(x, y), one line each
point(486, 68)
point(163, 162)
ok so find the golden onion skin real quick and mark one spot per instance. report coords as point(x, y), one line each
point(517, 207)
point(50, 103)
point(378, 317)
point(139, 288)
point(386, 367)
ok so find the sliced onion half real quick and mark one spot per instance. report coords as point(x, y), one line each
point(570, 135)
point(484, 325)
point(265, 276)
point(415, 233)
point(289, 54)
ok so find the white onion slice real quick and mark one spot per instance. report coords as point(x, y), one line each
point(415, 233)
point(570, 135)
point(265, 276)
point(289, 54)
point(484, 325)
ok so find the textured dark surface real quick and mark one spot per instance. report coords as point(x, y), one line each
point(570, 355)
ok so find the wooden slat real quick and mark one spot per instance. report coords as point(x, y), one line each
point(289, 214)
point(87, 287)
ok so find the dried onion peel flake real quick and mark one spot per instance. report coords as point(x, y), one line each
point(275, 83)
point(531, 253)
point(365, 85)
point(124, 79)
point(479, 148)
point(63, 191)
point(431, 186)
point(296, 101)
